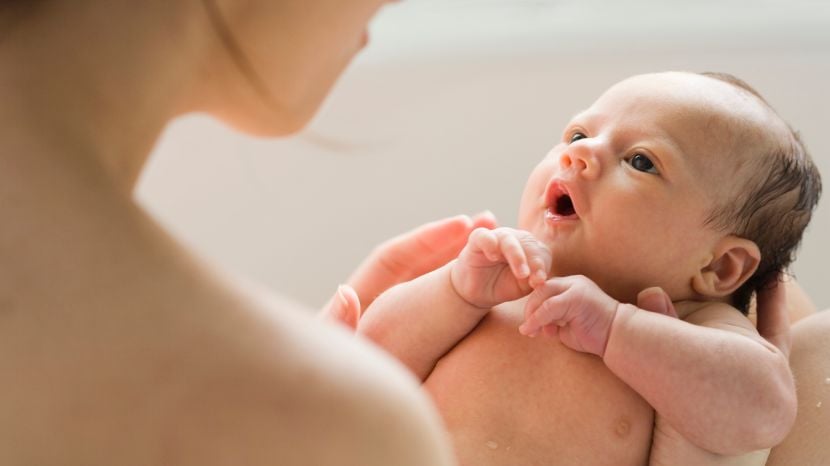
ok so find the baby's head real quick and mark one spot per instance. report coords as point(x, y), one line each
point(685, 181)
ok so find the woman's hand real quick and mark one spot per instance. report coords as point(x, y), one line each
point(401, 259)
point(773, 320)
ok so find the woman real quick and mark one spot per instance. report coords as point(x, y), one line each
point(118, 345)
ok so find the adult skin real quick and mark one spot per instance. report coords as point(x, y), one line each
point(118, 346)
point(810, 361)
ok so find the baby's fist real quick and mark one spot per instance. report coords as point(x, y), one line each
point(575, 309)
point(499, 265)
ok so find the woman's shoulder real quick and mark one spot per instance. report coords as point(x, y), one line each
point(144, 353)
point(287, 386)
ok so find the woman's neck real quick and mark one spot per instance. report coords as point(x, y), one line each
point(87, 87)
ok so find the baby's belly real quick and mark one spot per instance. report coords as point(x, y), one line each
point(510, 400)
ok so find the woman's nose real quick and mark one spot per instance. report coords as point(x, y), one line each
point(581, 159)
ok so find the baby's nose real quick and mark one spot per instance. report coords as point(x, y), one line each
point(581, 160)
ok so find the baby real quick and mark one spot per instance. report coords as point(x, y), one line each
point(675, 192)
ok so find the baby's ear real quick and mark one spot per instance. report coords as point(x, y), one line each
point(734, 260)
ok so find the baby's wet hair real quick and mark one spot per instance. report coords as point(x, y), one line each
point(776, 204)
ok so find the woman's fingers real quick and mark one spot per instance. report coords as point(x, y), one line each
point(343, 307)
point(486, 220)
point(654, 299)
point(773, 315)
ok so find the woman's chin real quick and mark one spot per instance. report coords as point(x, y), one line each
point(271, 124)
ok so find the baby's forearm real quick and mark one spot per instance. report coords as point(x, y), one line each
point(723, 391)
point(421, 320)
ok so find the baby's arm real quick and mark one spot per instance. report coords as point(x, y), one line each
point(421, 320)
point(719, 383)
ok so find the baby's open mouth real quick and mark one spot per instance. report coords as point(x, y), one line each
point(560, 202)
point(564, 206)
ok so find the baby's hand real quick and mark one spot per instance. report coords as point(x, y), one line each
point(499, 265)
point(575, 309)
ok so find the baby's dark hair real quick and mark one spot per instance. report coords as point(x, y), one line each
point(775, 205)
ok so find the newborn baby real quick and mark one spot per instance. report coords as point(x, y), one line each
point(675, 192)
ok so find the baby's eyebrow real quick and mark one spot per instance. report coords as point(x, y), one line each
point(585, 115)
point(585, 118)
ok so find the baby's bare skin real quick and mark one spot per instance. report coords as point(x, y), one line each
point(508, 399)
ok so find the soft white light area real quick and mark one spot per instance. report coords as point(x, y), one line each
point(446, 112)
point(516, 26)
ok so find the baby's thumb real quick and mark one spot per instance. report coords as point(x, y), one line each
point(343, 307)
point(654, 299)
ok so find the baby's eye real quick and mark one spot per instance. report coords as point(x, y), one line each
point(577, 136)
point(642, 163)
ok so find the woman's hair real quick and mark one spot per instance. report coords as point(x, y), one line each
point(12, 13)
point(775, 205)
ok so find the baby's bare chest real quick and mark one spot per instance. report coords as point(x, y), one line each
point(509, 399)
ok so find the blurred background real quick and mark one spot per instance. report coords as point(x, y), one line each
point(446, 112)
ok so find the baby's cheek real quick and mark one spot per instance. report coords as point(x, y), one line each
point(532, 200)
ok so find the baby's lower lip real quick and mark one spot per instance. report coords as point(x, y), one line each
point(552, 216)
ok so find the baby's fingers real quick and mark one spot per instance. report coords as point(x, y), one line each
point(543, 292)
point(552, 311)
point(538, 257)
point(487, 242)
point(514, 253)
point(538, 271)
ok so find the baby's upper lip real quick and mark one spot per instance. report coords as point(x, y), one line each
point(556, 190)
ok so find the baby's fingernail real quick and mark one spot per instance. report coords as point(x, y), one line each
point(524, 270)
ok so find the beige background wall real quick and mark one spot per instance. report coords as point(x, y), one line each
point(448, 110)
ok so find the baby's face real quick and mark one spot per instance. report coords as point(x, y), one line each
point(624, 197)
